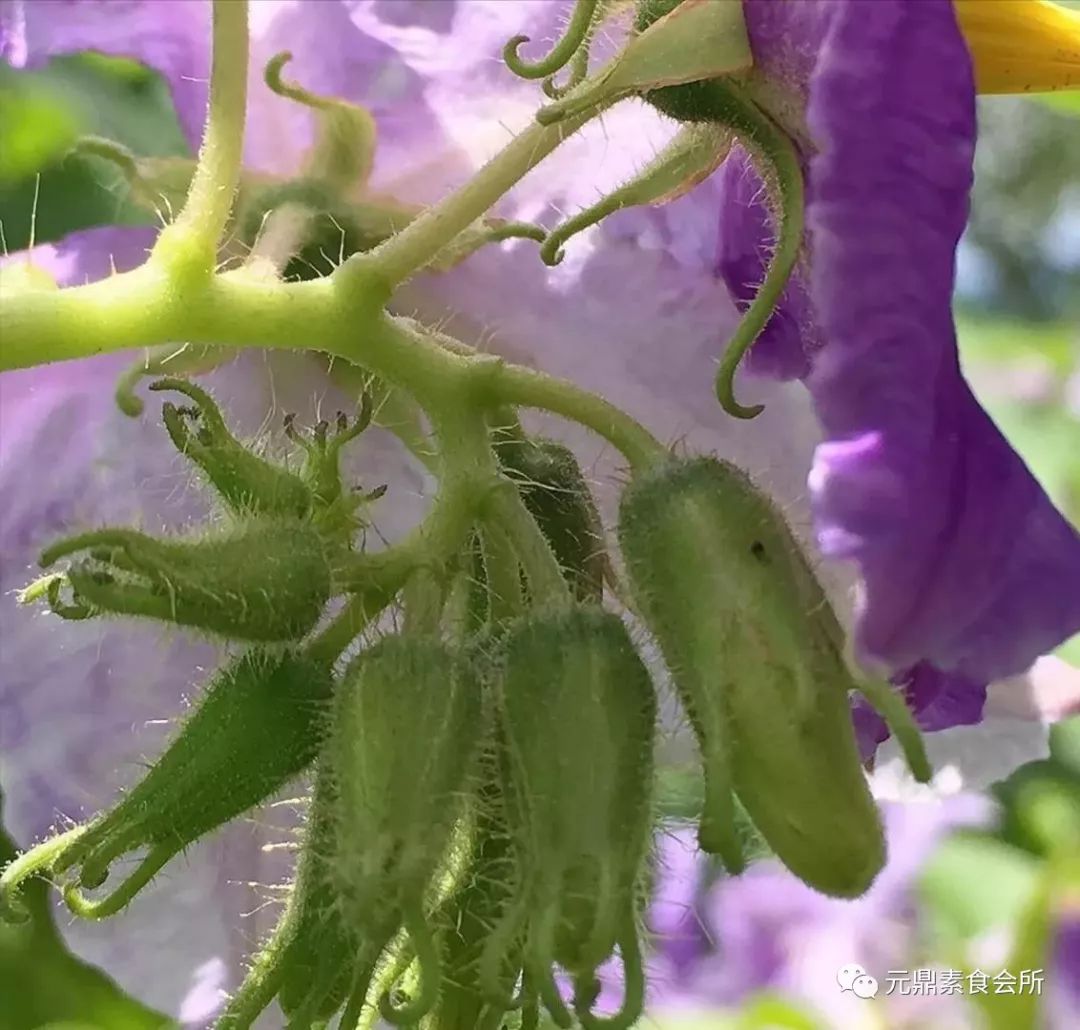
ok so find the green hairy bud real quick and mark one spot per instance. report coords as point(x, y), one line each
point(406, 724)
point(334, 229)
point(257, 725)
point(555, 493)
point(756, 656)
point(265, 580)
point(308, 962)
point(577, 717)
point(245, 482)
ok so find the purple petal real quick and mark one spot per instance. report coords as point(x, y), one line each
point(680, 937)
point(965, 561)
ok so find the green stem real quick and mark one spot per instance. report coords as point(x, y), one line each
point(530, 389)
point(411, 249)
point(357, 614)
point(503, 575)
point(509, 514)
point(192, 240)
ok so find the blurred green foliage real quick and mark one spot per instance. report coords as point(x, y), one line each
point(44, 111)
point(42, 985)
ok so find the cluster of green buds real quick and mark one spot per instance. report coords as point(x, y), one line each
point(478, 837)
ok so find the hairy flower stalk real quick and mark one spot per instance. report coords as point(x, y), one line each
point(481, 817)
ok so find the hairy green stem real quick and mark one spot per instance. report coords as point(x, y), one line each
point(411, 249)
point(191, 241)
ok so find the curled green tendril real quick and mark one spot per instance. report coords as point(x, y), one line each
point(293, 90)
point(109, 150)
point(539, 967)
point(633, 988)
point(345, 151)
point(427, 955)
point(119, 899)
point(167, 360)
point(579, 69)
point(40, 859)
point(890, 705)
point(784, 181)
point(689, 158)
point(516, 231)
point(564, 50)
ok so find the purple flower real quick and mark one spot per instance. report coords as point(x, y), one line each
point(967, 571)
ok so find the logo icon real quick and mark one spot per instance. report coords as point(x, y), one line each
point(855, 979)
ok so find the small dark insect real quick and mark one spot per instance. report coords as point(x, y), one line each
point(757, 549)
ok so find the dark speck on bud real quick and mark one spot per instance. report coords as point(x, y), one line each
point(757, 657)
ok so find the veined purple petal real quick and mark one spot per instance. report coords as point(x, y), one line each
point(965, 563)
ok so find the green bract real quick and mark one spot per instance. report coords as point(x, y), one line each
point(756, 655)
point(577, 716)
point(257, 725)
point(406, 725)
point(265, 580)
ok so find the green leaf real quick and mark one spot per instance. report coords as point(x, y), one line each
point(975, 883)
point(1064, 102)
point(44, 110)
point(44, 986)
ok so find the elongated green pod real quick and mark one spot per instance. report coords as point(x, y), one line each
point(257, 725)
point(756, 656)
point(555, 493)
point(406, 725)
point(577, 717)
point(265, 580)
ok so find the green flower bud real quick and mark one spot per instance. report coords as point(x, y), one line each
point(406, 724)
point(258, 725)
point(266, 580)
point(555, 493)
point(245, 482)
point(577, 719)
point(335, 510)
point(336, 227)
point(482, 896)
point(756, 656)
point(309, 962)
